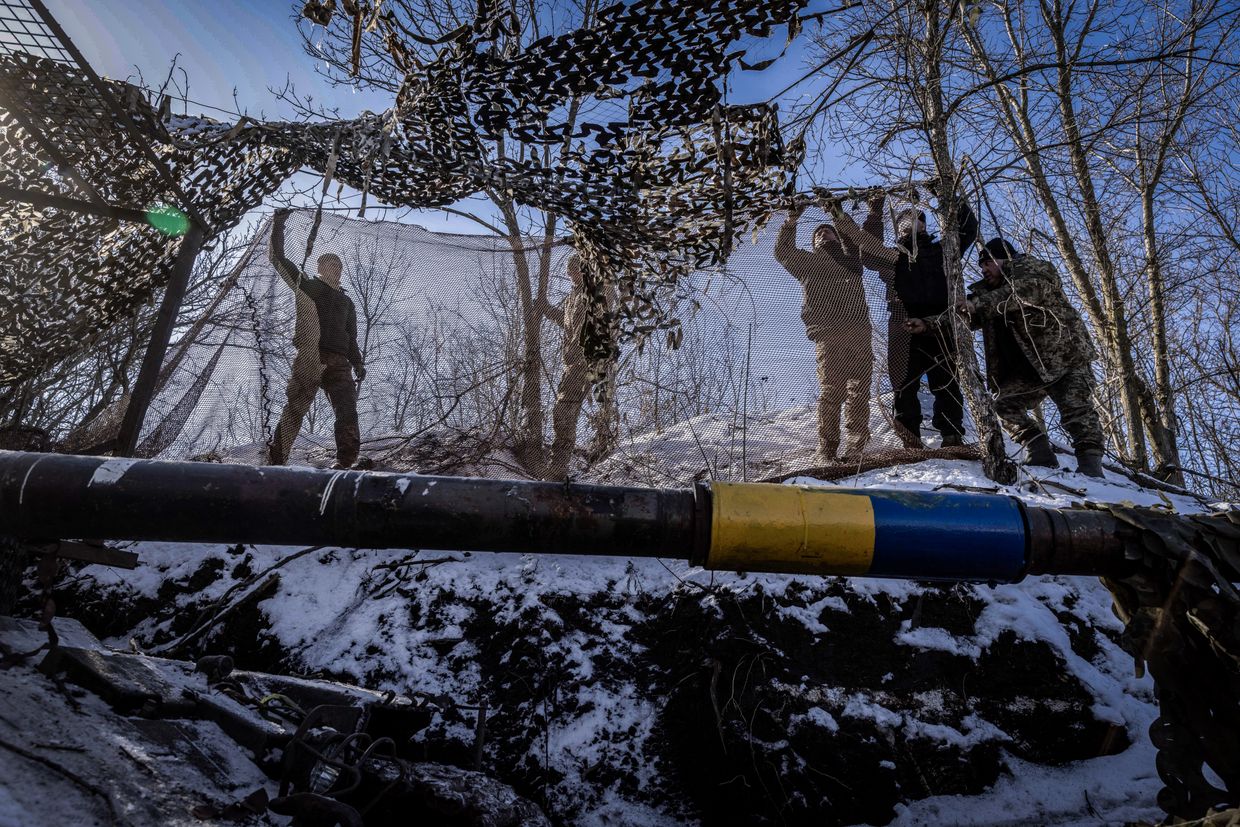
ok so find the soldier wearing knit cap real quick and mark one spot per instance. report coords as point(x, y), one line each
point(1036, 347)
point(914, 270)
point(837, 321)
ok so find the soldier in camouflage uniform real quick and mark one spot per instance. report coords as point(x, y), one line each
point(837, 321)
point(1036, 347)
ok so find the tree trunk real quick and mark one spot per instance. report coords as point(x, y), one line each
point(995, 462)
point(1120, 339)
point(529, 445)
point(1161, 420)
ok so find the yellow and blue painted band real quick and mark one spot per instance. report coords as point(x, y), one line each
point(923, 535)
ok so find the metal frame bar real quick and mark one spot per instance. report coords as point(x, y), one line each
point(139, 140)
point(61, 202)
point(148, 375)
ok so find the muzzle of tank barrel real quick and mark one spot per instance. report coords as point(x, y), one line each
point(1075, 542)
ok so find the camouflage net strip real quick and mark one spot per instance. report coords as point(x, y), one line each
point(649, 199)
point(1181, 609)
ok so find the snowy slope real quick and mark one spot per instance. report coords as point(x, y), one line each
point(653, 692)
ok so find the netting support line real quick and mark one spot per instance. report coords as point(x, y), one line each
point(45, 200)
point(148, 375)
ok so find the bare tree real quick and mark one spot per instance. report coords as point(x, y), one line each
point(530, 234)
point(1212, 397)
point(80, 401)
point(1084, 109)
point(905, 71)
point(1095, 97)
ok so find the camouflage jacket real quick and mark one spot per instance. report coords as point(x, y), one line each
point(1032, 306)
point(835, 301)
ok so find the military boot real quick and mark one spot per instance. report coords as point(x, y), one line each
point(1089, 462)
point(1040, 452)
point(909, 439)
point(952, 440)
point(855, 447)
point(829, 450)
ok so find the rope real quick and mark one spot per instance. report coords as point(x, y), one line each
point(264, 375)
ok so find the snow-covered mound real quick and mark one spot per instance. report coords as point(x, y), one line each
point(650, 692)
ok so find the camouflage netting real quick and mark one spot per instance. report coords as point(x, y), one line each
point(1181, 610)
point(655, 205)
point(67, 275)
point(649, 199)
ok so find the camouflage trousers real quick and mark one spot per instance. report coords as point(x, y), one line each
point(569, 399)
point(312, 370)
point(1072, 394)
point(845, 366)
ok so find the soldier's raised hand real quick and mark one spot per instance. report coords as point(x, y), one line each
point(916, 326)
point(832, 205)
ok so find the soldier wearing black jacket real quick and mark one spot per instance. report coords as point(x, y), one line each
point(915, 268)
point(327, 352)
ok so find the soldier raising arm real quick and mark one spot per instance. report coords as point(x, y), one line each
point(327, 352)
point(919, 281)
point(837, 321)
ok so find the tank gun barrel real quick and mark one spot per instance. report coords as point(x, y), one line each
point(726, 526)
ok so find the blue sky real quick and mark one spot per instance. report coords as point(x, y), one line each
point(254, 46)
point(224, 45)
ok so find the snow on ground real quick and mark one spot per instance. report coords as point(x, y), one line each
point(783, 442)
point(401, 621)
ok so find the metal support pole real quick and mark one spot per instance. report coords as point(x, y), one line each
point(144, 388)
